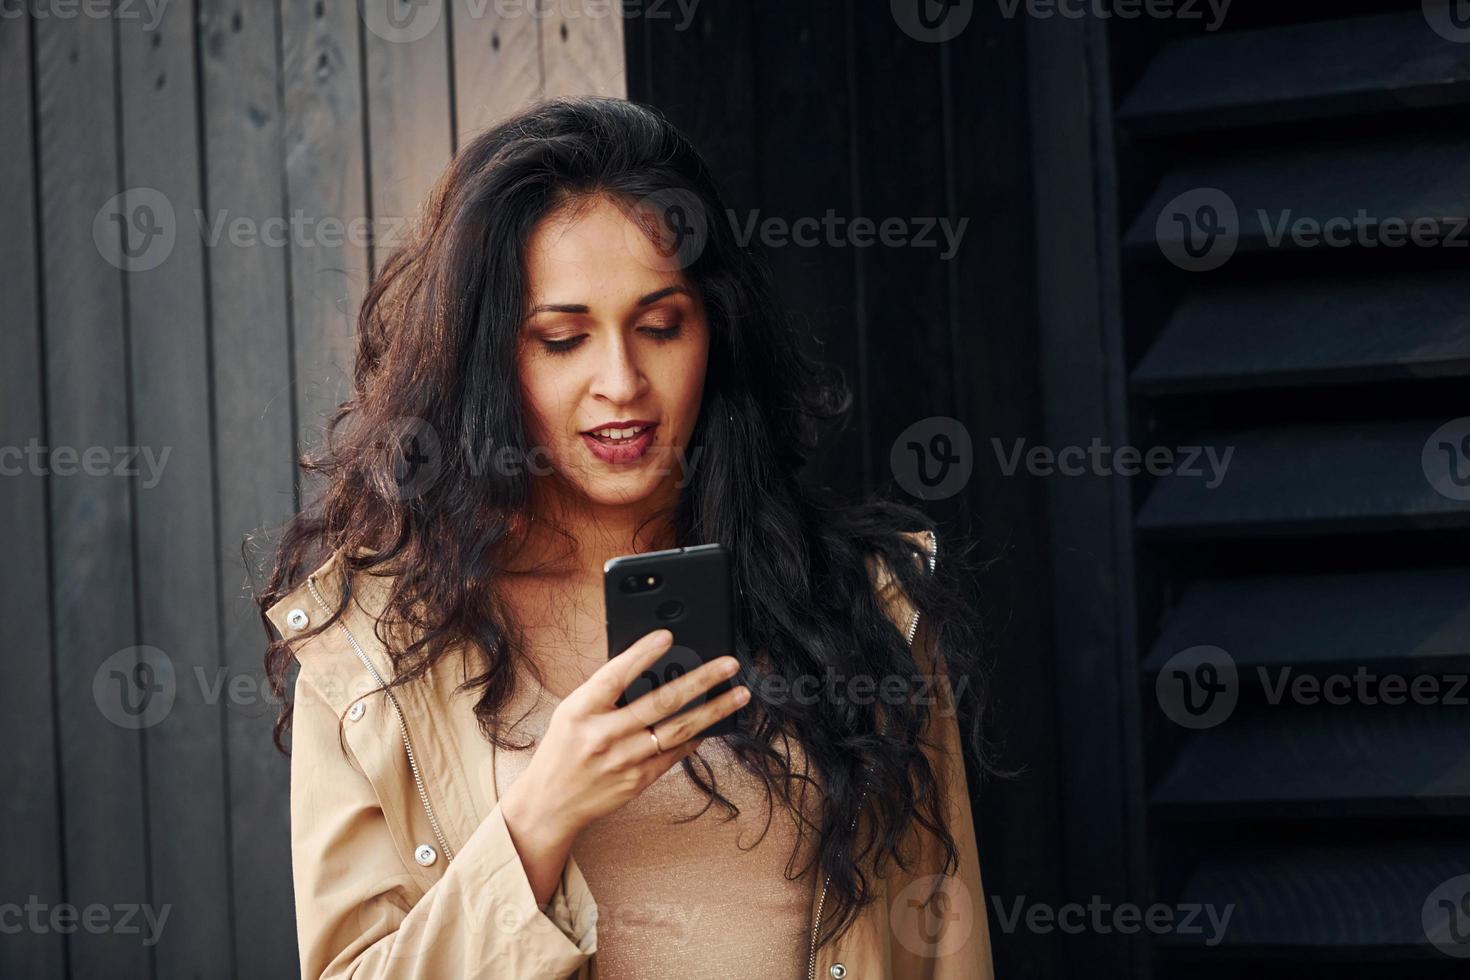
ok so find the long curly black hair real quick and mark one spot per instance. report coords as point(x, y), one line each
point(436, 344)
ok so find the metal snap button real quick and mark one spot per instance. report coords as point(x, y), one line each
point(297, 619)
point(425, 854)
point(838, 971)
point(354, 713)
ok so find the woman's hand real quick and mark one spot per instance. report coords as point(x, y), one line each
point(596, 756)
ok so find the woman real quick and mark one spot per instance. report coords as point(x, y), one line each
point(573, 360)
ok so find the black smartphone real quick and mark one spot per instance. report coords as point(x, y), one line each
point(684, 590)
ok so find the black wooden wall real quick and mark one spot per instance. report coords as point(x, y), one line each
point(1333, 834)
point(802, 108)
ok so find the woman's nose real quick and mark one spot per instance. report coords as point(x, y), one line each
point(619, 378)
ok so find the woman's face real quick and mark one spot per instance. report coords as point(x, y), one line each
point(614, 335)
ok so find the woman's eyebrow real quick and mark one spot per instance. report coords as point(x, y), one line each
point(652, 297)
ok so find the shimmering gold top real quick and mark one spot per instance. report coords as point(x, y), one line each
point(694, 900)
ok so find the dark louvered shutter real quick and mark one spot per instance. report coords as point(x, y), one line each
point(1334, 550)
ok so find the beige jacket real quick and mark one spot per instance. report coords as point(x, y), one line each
point(403, 866)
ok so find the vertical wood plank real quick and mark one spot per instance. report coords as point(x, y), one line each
point(497, 64)
point(700, 74)
point(254, 426)
point(996, 353)
point(1091, 521)
point(408, 109)
point(898, 146)
point(91, 517)
point(30, 859)
point(803, 109)
point(582, 49)
point(174, 497)
point(326, 180)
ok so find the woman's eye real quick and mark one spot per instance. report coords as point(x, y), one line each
point(561, 346)
point(665, 333)
point(660, 334)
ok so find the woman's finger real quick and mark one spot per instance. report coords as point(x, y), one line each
point(601, 690)
point(667, 699)
point(682, 728)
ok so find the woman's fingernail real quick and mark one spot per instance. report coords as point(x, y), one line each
point(742, 695)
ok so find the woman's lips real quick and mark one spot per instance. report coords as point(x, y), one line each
point(625, 452)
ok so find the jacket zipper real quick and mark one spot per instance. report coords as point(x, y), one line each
point(811, 968)
point(413, 765)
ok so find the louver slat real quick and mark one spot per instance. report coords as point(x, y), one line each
point(1357, 185)
point(1324, 902)
point(1408, 621)
point(1327, 760)
point(1305, 479)
point(1312, 332)
point(1306, 71)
